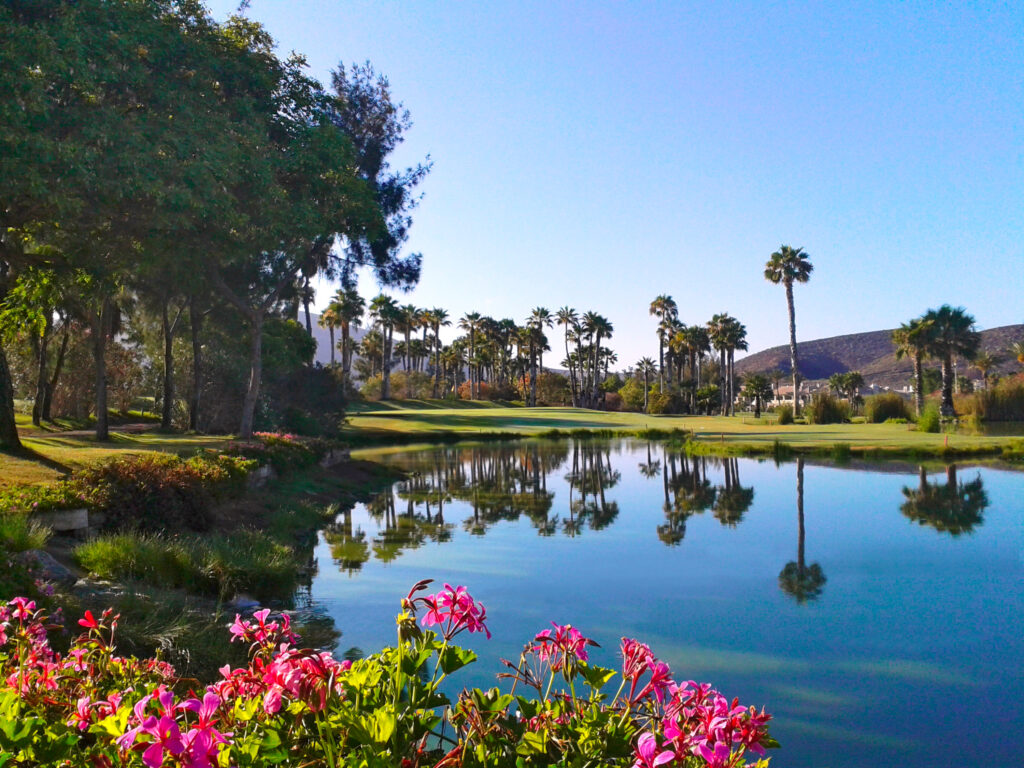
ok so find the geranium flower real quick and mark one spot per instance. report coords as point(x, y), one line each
point(647, 754)
point(566, 646)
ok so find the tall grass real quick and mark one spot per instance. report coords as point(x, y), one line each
point(888, 405)
point(826, 409)
point(930, 419)
point(248, 561)
point(784, 413)
point(19, 533)
point(1003, 402)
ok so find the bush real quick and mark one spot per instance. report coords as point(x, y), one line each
point(154, 492)
point(826, 409)
point(929, 420)
point(411, 385)
point(26, 499)
point(305, 708)
point(1004, 401)
point(19, 533)
point(283, 451)
point(886, 406)
point(613, 401)
point(784, 414)
point(632, 395)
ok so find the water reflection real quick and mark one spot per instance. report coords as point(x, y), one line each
point(952, 508)
point(797, 579)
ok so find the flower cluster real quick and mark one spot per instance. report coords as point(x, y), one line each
point(262, 632)
point(454, 610)
point(563, 648)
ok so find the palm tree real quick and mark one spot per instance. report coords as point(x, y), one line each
point(470, 322)
point(984, 362)
point(645, 368)
point(717, 332)
point(437, 317)
point(787, 266)
point(756, 387)
point(386, 314)
point(735, 338)
point(536, 322)
point(330, 320)
point(567, 316)
point(913, 340)
point(1017, 350)
point(952, 334)
point(664, 308)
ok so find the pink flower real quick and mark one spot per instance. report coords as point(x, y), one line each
point(647, 755)
point(454, 610)
point(636, 657)
point(566, 646)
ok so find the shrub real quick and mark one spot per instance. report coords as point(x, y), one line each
point(886, 406)
point(19, 533)
point(784, 413)
point(613, 401)
point(411, 385)
point(305, 708)
point(25, 499)
point(929, 420)
point(1004, 401)
point(153, 491)
point(826, 409)
point(632, 395)
point(285, 452)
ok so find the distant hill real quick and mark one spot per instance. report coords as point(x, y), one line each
point(872, 354)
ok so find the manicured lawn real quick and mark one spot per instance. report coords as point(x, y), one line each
point(426, 418)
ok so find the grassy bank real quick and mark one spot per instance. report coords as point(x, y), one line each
point(435, 421)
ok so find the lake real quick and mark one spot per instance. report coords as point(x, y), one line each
point(877, 611)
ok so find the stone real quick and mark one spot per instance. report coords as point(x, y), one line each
point(45, 567)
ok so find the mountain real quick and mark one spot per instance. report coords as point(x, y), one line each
point(872, 354)
point(323, 338)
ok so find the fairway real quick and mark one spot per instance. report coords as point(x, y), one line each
point(425, 418)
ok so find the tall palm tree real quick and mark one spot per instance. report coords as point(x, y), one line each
point(984, 362)
point(330, 320)
point(386, 315)
point(800, 581)
point(1017, 350)
point(758, 388)
point(539, 318)
point(567, 316)
point(787, 266)
point(597, 327)
point(645, 368)
point(664, 308)
point(718, 327)
point(952, 334)
point(438, 317)
point(913, 340)
point(470, 322)
point(735, 338)
point(349, 306)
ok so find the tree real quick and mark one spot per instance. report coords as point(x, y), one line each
point(1017, 350)
point(952, 334)
point(757, 388)
point(913, 340)
point(598, 327)
point(437, 317)
point(470, 322)
point(847, 385)
point(566, 316)
point(664, 308)
point(330, 319)
point(539, 319)
point(984, 362)
point(386, 315)
point(787, 266)
point(954, 508)
point(645, 368)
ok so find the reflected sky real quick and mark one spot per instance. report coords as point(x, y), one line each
point(874, 612)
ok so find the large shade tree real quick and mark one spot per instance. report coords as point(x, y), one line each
point(953, 334)
point(788, 266)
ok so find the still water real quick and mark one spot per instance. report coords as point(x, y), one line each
point(877, 611)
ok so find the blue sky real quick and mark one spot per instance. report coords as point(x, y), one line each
point(598, 154)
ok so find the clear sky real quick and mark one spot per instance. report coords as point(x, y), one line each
point(598, 154)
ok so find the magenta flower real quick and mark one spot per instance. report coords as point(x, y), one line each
point(647, 754)
point(454, 611)
point(565, 647)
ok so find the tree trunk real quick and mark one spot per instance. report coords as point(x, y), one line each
point(597, 353)
point(305, 304)
point(58, 366)
point(795, 368)
point(9, 440)
point(947, 386)
point(723, 381)
point(41, 375)
point(385, 375)
point(195, 323)
point(533, 375)
point(167, 412)
point(661, 363)
point(252, 392)
point(918, 385)
point(732, 382)
point(100, 325)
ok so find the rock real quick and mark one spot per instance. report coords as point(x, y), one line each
point(244, 604)
point(45, 567)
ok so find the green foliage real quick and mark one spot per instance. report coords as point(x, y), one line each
point(826, 409)
point(1004, 401)
point(784, 413)
point(246, 561)
point(886, 406)
point(26, 499)
point(632, 394)
point(553, 389)
point(19, 533)
point(929, 420)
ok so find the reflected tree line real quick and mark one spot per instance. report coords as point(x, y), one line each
point(506, 482)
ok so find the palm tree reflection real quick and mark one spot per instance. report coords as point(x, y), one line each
point(954, 508)
point(798, 580)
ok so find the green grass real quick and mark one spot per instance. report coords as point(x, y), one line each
point(245, 561)
point(18, 533)
point(405, 422)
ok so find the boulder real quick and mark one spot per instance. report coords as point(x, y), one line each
point(45, 567)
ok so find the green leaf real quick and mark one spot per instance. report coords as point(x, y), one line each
point(533, 743)
point(454, 658)
point(597, 677)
